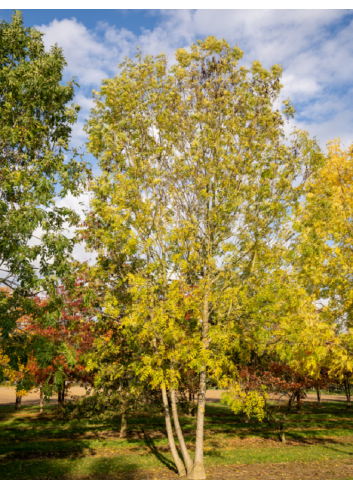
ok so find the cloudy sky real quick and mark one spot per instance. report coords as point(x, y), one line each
point(315, 48)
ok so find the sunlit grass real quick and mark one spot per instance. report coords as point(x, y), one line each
point(39, 447)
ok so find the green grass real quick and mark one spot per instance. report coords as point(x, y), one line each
point(46, 447)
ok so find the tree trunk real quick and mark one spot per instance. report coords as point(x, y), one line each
point(123, 429)
point(298, 402)
point(191, 404)
point(198, 471)
point(183, 449)
point(179, 464)
point(41, 396)
point(190, 408)
point(282, 434)
point(18, 402)
point(59, 396)
point(318, 392)
point(244, 418)
point(347, 388)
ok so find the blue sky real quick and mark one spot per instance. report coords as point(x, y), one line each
point(315, 48)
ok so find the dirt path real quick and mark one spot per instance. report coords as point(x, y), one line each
point(8, 396)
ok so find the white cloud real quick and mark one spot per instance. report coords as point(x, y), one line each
point(80, 205)
point(315, 48)
point(85, 55)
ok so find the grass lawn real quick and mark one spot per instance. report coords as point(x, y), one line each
point(319, 446)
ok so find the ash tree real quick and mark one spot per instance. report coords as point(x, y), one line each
point(36, 168)
point(191, 214)
point(323, 255)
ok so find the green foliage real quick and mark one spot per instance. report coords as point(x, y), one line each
point(35, 170)
point(35, 167)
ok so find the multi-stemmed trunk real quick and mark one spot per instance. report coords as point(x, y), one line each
point(178, 462)
point(184, 451)
point(195, 469)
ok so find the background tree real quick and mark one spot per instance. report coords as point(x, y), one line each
point(110, 361)
point(35, 129)
point(196, 188)
point(268, 390)
point(59, 341)
point(323, 252)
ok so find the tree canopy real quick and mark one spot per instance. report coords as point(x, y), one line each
point(194, 198)
point(36, 168)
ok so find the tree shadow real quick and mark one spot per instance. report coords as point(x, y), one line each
point(334, 449)
point(113, 469)
point(64, 467)
point(79, 462)
point(155, 451)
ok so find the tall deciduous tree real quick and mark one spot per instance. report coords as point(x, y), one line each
point(35, 166)
point(324, 252)
point(197, 183)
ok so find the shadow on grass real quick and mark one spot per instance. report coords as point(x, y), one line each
point(75, 467)
point(54, 451)
point(156, 451)
point(72, 461)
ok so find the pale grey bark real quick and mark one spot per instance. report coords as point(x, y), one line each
point(198, 471)
point(179, 464)
point(187, 460)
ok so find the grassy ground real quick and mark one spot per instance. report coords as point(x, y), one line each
point(319, 446)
